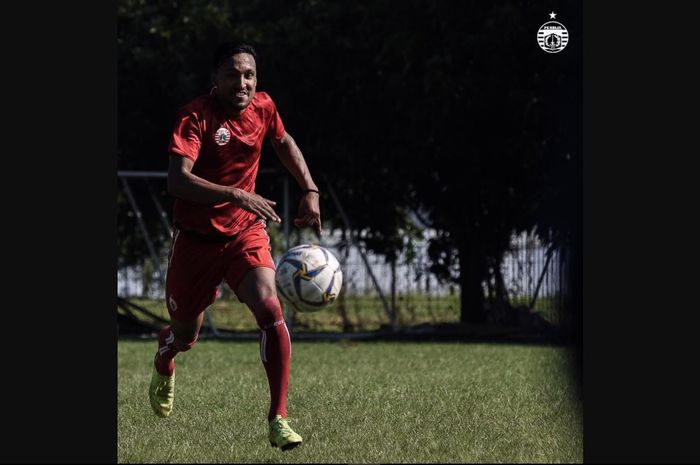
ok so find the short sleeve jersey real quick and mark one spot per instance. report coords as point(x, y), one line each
point(226, 151)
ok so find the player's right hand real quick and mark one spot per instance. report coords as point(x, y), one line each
point(257, 204)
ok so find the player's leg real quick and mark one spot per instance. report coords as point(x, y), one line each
point(194, 274)
point(257, 291)
point(179, 336)
point(252, 276)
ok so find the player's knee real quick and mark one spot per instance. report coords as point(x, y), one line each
point(268, 311)
point(184, 345)
point(265, 291)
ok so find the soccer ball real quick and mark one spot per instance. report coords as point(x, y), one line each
point(309, 277)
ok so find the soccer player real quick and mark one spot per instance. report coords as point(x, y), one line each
point(219, 225)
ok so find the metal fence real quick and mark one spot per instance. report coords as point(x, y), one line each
point(534, 275)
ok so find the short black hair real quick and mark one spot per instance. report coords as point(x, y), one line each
point(227, 50)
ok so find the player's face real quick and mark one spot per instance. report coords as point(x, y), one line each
point(236, 79)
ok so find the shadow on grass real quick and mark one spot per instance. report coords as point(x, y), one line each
point(441, 332)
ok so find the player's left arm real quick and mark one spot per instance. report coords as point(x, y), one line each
point(291, 157)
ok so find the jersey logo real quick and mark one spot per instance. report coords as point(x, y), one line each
point(552, 36)
point(222, 136)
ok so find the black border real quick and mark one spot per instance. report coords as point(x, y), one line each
point(59, 345)
point(639, 350)
point(640, 396)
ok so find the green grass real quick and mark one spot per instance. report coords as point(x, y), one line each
point(376, 402)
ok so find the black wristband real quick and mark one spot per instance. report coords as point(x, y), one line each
point(310, 190)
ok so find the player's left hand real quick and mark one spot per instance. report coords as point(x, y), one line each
point(309, 212)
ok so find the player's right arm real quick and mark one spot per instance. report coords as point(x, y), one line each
point(183, 184)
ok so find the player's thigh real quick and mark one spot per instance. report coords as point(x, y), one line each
point(251, 269)
point(195, 270)
point(257, 284)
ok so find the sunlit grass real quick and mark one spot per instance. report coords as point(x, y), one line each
point(357, 403)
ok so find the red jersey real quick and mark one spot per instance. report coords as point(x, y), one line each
point(226, 151)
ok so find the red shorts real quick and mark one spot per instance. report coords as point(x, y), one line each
point(197, 265)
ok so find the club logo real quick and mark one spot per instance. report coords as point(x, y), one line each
point(222, 136)
point(552, 35)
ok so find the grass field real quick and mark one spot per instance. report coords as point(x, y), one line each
point(368, 402)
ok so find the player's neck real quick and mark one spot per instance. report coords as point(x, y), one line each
point(229, 110)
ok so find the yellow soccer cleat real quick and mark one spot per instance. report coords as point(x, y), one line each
point(282, 436)
point(162, 393)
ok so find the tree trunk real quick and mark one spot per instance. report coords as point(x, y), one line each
point(501, 289)
point(470, 278)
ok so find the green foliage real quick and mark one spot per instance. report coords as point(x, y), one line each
point(448, 111)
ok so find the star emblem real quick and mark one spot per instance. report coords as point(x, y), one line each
point(552, 15)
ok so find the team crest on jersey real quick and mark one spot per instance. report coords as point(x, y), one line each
point(222, 136)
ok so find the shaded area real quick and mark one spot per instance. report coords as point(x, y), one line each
point(423, 114)
point(137, 322)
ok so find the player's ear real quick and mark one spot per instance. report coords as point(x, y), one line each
point(214, 86)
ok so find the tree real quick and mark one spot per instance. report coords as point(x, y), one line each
point(444, 111)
